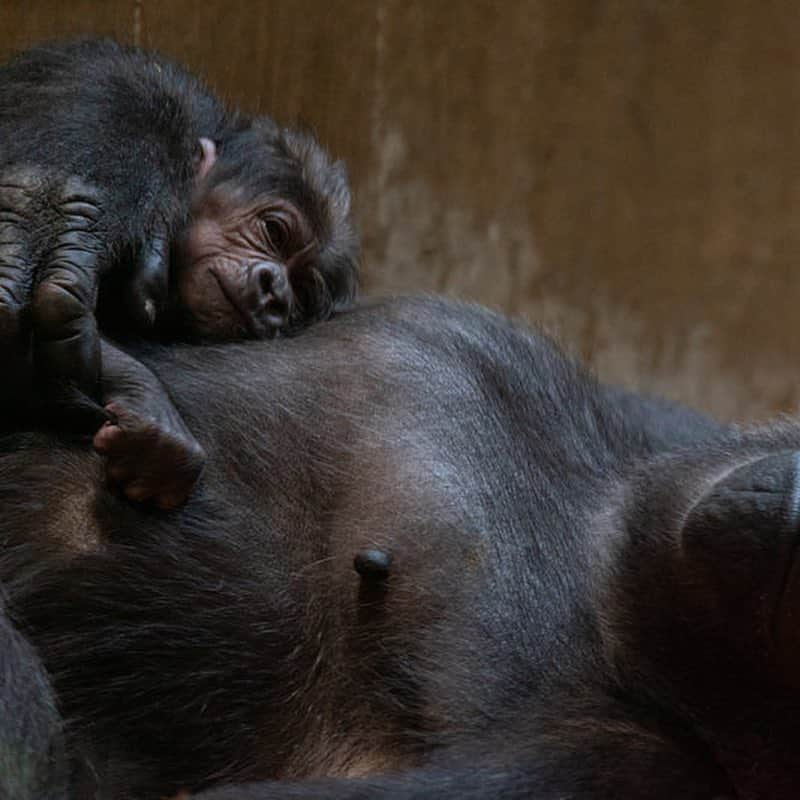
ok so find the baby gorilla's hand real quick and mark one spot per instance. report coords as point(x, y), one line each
point(150, 452)
point(151, 459)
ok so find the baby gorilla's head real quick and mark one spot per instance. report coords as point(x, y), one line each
point(270, 246)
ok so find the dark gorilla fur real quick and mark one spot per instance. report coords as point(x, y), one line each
point(590, 594)
point(33, 763)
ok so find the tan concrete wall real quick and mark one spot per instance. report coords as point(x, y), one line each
point(626, 171)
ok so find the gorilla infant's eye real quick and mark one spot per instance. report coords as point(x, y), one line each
point(277, 232)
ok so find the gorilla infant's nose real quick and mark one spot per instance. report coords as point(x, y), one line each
point(271, 294)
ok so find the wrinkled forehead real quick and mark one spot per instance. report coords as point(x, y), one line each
point(256, 165)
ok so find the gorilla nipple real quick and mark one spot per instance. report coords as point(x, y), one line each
point(373, 564)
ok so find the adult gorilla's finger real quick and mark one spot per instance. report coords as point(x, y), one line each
point(146, 294)
point(66, 341)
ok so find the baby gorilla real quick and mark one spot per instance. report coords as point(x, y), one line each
point(132, 197)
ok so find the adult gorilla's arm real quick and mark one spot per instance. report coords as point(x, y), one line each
point(585, 770)
point(423, 784)
point(33, 764)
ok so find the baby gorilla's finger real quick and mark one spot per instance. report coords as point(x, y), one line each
point(169, 501)
point(146, 294)
point(118, 473)
point(107, 438)
point(139, 491)
point(147, 460)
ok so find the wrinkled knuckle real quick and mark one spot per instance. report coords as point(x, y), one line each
point(79, 188)
point(23, 194)
point(20, 184)
point(80, 201)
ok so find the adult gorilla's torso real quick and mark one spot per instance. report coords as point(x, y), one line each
point(234, 639)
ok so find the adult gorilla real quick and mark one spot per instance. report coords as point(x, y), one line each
point(562, 590)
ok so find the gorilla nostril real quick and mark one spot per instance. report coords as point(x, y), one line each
point(264, 276)
point(265, 281)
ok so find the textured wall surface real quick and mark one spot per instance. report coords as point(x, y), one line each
point(626, 172)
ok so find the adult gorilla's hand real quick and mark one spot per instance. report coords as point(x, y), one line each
point(54, 246)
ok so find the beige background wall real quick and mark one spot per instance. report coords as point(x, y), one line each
point(625, 171)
